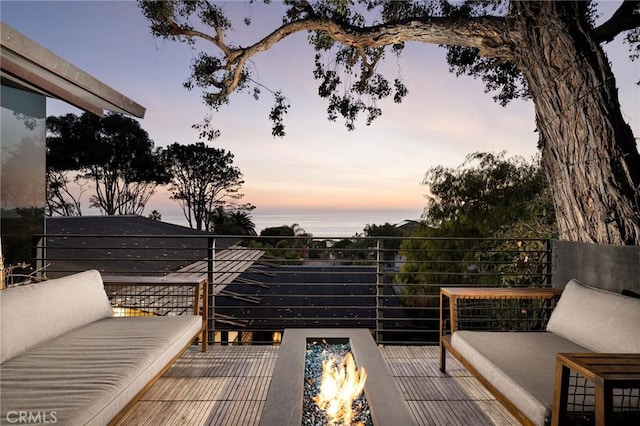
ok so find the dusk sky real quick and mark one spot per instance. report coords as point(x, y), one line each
point(318, 163)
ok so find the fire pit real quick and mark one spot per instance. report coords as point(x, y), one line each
point(333, 386)
point(284, 404)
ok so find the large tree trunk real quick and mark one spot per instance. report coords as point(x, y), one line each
point(588, 150)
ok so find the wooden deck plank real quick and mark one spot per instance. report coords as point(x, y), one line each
point(201, 412)
point(449, 413)
point(218, 414)
point(228, 386)
point(214, 412)
point(245, 413)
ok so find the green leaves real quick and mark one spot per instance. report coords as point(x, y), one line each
point(501, 77)
point(488, 193)
point(485, 223)
point(279, 110)
point(350, 83)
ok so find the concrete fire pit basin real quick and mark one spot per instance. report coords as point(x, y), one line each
point(284, 398)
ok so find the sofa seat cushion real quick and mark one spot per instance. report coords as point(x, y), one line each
point(520, 365)
point(90, 374)
point(597, 319)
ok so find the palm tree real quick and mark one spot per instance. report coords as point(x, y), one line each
point(302, 244)
point(241, 220)
point(298, 230)
point(231, 222)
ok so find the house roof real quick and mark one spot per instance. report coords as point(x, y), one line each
point(29, 66)
point(123, 245)
point(308, 296)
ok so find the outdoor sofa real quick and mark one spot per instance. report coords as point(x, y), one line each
point(66, 359)
point(519, 367)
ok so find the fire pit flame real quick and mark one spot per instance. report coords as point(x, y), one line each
point(341, 383)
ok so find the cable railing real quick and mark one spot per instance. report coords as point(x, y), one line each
point(259, 286)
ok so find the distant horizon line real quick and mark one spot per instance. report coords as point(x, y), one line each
point(270, 210)
point(336, 209)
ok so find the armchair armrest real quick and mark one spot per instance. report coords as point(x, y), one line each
point(456, 295)
point(137, 295)
point(493, 308)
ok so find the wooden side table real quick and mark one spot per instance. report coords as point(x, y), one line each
point(607, 371)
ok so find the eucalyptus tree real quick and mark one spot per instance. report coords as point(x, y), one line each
point(112, 156)
point(490, 194)
point(62, 198)
point(202, 180)
point(501, 205)
point(548, 51)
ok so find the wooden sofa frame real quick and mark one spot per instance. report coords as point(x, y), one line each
point(448, 325)
point(200, 307)
point(609, 267)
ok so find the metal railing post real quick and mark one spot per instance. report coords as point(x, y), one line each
point(379, 289)
point(211, 305)
point(549, 262)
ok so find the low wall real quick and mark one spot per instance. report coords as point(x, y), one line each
point(613, 268)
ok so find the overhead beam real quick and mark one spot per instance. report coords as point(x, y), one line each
point(22, 60)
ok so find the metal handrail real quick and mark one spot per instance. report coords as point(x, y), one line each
point(305, 282)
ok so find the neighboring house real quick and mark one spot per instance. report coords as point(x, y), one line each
point(130, 245)
point(307, 296)
point(29, 74)
point(250, 295)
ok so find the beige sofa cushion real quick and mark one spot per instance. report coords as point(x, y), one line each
point(520, 365)
point(35, 313)
point(88, 375)
point(599, 320)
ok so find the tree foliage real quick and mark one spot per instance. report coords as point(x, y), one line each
point(112, 154)
point(280, 246)
point(357, 36)
point(155, 215)
point(549, 51)
point(62, 199)
point(363, 247)
point(202, 179)
point(501, 206)
point(291, 243)
point(489, 193)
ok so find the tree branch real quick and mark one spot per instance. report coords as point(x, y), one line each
point(218, 41)
point(491, 35)
point(627, 17)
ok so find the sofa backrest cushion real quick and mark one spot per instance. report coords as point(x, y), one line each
point(35, 313)
point(599, 320)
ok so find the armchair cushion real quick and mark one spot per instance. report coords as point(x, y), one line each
point(599, 320)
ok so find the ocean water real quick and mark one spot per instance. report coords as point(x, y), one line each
point(332, 223)
point(322, 223)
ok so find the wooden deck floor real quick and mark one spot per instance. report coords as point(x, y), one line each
point(228, 386)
